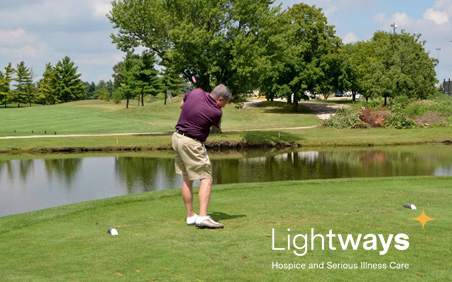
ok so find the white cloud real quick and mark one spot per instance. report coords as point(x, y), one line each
point(99, 59)
point(332, 6)
point(18, 43)
point(27, 51)
point(350, 38)
point(401, 19)
point(15, 37)
point(101, 8)
point(104, 77)
point(436, 16)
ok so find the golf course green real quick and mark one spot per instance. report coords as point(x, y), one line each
point(71, 243)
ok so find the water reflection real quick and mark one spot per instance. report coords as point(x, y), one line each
point(30, 184)
point(64, 170)
point(141, 174)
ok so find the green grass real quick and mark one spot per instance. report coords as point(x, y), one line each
point(71, 243)
point(313, 137)
point(95, 116)
point(238, 126)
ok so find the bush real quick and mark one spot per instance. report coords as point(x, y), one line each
point(419, 108)
point(117, 96)
point(239, 105)
point(399, 103)
point(443, 104)
point(345, 118)
point(400, 120)
point(373, 104)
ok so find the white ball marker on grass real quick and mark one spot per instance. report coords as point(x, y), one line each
point(112, 231)
point(410, 206)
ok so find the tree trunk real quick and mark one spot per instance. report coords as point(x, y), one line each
point(385, 100)
point(295, 104)
point(354, 96)
point(142, 97)
point(127, 103)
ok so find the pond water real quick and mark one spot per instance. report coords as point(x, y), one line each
point(30, 183)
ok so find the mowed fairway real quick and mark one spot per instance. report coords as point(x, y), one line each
point(88, 117)
point(71, 243)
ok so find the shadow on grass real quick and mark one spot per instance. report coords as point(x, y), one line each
point(225, 216)
point(270, 137)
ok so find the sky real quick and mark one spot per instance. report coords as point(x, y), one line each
point(42, 31)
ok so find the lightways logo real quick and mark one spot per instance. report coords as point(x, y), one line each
point(301, 243)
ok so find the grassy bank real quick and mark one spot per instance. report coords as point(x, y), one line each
point(313, 137)
point(71, 243)
point(95, 116)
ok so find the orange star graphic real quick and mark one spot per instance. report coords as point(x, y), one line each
point(423, 218)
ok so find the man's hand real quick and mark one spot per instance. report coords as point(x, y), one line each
point(181, 104)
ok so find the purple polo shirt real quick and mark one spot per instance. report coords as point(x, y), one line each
point(199, 113)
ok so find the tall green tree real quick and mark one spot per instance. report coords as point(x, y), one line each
point(400, 66)
point(118, 75)
point(124, 78)
point(5, 84)
point(47, 86)
point(355, 60)
point(309, 58)
point(216, 41)
point(146, 79)
point(22, 87)
point(69, 86)
point(90, 90)
point(32, 94)
point(138, 76)
point(171, 83)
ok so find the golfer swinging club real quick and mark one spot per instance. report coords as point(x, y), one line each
point(200, 111)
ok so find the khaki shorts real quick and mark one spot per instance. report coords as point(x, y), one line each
point(191, 157)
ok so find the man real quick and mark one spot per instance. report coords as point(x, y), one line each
point(200, 111)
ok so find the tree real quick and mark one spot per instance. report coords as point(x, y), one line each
point(391, 65)
point(123, 77)
point(117, 95)
point(32, 89)
point(212, 40)
point(5, 82)
point(69, 86)
point(309, 57)
point(146, 76)
point(103, 94)
point(171, 82)
point(23, 80)
point(355, 60)
point(118, 75)
point(138, 76)
point(90, 90)
point(47, 85)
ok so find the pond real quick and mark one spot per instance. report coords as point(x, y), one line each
point(30, 183)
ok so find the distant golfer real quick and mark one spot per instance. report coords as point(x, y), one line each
point(200, 111)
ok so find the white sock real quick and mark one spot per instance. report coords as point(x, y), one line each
point(201, 219)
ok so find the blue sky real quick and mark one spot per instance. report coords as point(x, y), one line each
point(41, 31)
